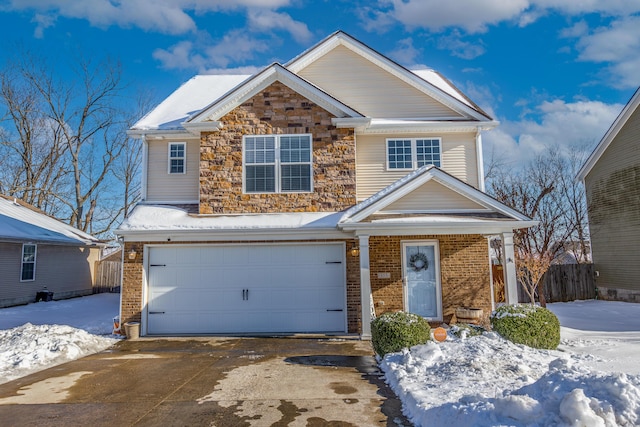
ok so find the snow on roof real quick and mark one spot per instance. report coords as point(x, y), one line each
point(20, 221)
point(188, 99)
point(154, 217)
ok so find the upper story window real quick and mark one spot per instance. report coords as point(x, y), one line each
point(177, 157)
point(28, 266)
point(277, 164)
point(412, 153)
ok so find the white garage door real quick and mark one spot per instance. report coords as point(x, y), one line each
point(246, 289)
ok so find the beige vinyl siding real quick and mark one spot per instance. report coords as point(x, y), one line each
point(165, 187)
point(433, 196)
point(369, 89)
point(458, 159)
point(64, 270)
point(613, 195)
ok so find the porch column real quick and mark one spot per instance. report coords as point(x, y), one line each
point(509, 269)
point(365, 287)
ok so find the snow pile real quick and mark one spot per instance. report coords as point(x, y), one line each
point(486, 380)
point(30, 348)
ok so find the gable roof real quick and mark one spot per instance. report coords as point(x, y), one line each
point(417, 178)
point(21, 222)
point(611, 134)
point(259, 82)
point(428, 82)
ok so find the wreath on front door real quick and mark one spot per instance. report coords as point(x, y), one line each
point(418, 262)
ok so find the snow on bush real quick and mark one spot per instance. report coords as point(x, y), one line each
point(487, 380)
point(393, 331)
point(28, 348)
point(527, 324)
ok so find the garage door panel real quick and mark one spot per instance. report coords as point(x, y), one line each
point(291, 288)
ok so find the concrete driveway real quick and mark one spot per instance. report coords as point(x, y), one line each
point(209, 382)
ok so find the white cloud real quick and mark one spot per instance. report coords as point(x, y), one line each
point(405, 53)
point(164, 16)
point(560, 124)
point(268, 20)
point(205, 55)
point(460, 48)
point(471, 15)
point(575, 7)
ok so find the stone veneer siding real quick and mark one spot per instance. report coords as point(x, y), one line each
point(464, 272)
point(131, 310)
point(277, 110)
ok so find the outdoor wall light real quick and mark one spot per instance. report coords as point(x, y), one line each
point(355, 250)
point(132, 254)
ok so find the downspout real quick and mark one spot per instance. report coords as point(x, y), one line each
point(145, 158)
point(479, 159)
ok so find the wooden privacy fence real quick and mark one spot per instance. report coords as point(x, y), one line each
point(561, 283)
point(107, 277)
point(566, 282)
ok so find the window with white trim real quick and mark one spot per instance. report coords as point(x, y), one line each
point(28, 265)
point(412, 153)
point(277, 164)
point(177, 157)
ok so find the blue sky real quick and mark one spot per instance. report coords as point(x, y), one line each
point(553, 72)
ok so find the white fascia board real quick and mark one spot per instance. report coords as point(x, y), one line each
point(412, 126)
point(198, 127)
point(608, 137)
point(442, 228)
point(201, 235)
point(351, 122)
point(158, 133)
point(340, 38)
point(260, 82)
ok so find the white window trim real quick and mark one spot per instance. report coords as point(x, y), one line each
point(22, 263)
point(414, 152)
point(184, 158)
point(277, 164)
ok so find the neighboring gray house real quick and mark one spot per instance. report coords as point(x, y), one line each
point(37, 251)
point(612, 181)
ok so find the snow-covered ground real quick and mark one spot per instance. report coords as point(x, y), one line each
point(591, 380)
point(44, 334)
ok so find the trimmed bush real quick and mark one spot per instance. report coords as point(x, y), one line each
point(465, 330)
point(392, 332)
point(527, 324)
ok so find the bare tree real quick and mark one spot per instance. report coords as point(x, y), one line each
point(65, 141)
point(530, 270)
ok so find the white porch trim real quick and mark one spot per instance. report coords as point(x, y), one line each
point(365, 287)
point(510, 278)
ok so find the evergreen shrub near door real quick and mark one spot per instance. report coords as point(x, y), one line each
point(391, 332)
point(527, 324)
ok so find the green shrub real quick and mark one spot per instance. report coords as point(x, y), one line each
point(527, 324)
point(392, 332)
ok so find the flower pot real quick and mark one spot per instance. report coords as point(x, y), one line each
point(469, 315)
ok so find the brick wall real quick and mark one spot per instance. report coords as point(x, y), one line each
point(277, 110)
point(464, 270)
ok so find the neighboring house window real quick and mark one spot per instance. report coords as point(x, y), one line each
point(28, 269)
point(412, 153)
point(277, 164)
point(177, 157)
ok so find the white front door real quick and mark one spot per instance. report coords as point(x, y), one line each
point(421, 274)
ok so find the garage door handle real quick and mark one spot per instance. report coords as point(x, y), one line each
point(156, 312)
point(333, 262)
point(245, 295)
point(335, 309)
point(158, 265)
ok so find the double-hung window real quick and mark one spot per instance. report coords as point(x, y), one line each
point(28, 265)
point(277, 164)
point(177, 157)
point(412, 153)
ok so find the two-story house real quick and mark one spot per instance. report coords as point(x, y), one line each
point(310, 196)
